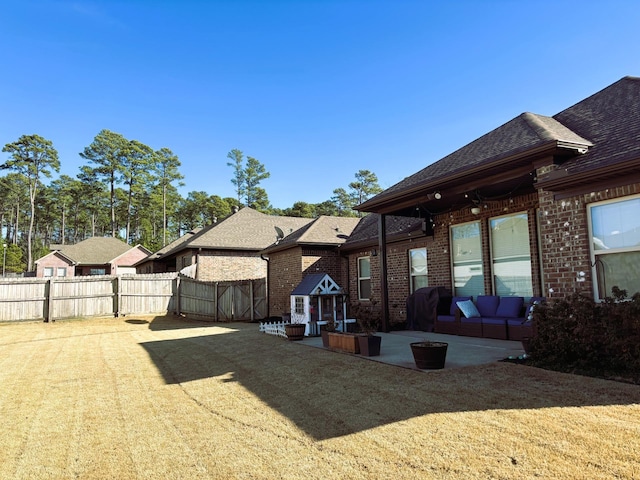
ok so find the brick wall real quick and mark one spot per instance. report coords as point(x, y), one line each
point(218, 266)
point(54, 261)
point(285, 273)
point(287, 268)
point(564, 237)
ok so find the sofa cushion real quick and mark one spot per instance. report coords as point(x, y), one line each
point(495, 320)
point(454, 303)
point(487, 305)
point(468, 309)
point(510, 307)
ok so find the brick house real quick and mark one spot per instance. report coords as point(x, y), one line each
point(540, 206)
point(225, 251)
point(312, 249)
point(93, 256)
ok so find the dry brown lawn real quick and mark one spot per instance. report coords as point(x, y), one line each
point(165, 398)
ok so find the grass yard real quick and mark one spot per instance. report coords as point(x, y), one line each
point(169, 398)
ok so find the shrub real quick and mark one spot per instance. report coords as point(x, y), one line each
point(579, 335)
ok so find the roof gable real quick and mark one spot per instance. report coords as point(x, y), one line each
point(323, 231)
point(246, 229)
point(317, 284)
point(517, 137)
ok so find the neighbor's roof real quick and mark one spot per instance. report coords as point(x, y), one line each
point(95, 250)
point(170, 246)
point(322, 231)
point(246, 229)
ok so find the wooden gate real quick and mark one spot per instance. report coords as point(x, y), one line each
point(223, 301)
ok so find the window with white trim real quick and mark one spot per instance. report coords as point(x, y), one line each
point(48, 272)
point(418, 268)
point(364, 278)
point(511, 255)
point(614, 231)
point(466, 259)
point(299, 305)
point(62, 272)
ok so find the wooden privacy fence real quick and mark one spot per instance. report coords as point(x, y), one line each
point(57, 298)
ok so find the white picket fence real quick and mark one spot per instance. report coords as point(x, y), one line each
point(274, 328)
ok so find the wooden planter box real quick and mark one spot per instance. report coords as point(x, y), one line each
point(344, 342)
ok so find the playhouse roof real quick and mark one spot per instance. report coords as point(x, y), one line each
point(317, 284)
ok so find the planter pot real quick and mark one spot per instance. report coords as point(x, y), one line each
point(370, 345)
point(325, 338)
point(344, 342)
point(429, 355)
point(295, 331)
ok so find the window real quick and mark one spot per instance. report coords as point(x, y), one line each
point(364, 278)
point(418, 268)
point(511, 255)
point(48, 271)
point(466, 258)
point(299, 305)
point(614, 230)
point(62, 271)
point(97, 271)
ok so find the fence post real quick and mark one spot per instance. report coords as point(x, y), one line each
point(251, 300)
point(215, 301)
point(116, 297)
point(49, 301)
point(178, 292)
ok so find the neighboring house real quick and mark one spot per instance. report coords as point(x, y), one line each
point(540, 206)
point(93, 256)
point(156, 263)
point(225, 251)
point(312, 249)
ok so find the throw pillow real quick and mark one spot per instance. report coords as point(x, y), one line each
point(468, 309)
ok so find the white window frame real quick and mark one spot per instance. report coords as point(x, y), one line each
point(47, 272)
point(475, 266)
point(412, 275)
point(362, 278)
point(528, 292)
point(299, 305)
point(61, 272)
point(595, 255)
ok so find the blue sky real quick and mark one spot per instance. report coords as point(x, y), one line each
point(315, 90)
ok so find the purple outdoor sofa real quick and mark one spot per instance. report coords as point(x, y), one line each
point(490, 316)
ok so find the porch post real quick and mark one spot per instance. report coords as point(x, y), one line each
point(384, 292)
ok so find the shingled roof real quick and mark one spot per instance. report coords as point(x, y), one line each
point(322, 231)
point(94, 250)
point(366, 233)
point(505, 147)
point(246, 229)
point(611, 120)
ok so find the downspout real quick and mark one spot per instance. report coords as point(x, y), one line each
point(266, 259)
point(384, 291)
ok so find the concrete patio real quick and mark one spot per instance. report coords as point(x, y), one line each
point(462, 351)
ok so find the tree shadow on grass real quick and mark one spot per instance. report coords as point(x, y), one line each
point(328, 394)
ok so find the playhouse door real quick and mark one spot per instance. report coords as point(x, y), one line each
point(327, 308)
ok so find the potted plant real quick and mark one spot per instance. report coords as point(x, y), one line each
point(369, 343)
point(295, 329)
point(428, 354)
point(329, 327)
